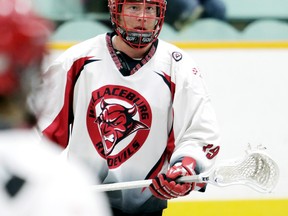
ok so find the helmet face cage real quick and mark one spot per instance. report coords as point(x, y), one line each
point(144, 11)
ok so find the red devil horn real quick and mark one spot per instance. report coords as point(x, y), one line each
point(132, 111)
point(103, 104)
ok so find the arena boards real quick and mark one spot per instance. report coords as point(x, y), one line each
point(228, 208)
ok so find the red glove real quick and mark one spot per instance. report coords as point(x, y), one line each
point(165, 187)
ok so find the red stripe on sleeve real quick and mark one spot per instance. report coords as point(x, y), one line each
point(58, 131)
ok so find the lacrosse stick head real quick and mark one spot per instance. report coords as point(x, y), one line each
point(256, 170)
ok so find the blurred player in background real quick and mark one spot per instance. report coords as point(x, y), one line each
point(134, 107)
point(34, 180)
point(181, 13)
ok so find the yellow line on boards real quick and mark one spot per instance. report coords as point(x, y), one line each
point(228, 208)
point(62, 45)
point(233, 45)
point(200, 45)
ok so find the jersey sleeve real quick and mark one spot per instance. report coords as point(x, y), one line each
point(54, 103)
point(195, 126)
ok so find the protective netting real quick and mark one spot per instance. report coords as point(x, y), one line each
point(257, 170)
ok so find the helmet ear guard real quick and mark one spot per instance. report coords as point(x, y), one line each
point(137, 38)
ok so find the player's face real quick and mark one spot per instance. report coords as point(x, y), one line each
point(141, 16)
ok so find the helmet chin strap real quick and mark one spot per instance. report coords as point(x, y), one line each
point(136, 39)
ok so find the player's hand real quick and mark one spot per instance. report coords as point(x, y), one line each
point(165, 187)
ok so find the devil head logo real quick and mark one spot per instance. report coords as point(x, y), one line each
point(116, 123)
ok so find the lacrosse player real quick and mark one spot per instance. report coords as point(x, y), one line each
point(34, 180)
point(133, 107)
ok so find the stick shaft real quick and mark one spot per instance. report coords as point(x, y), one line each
point(138, 184)
point(122, 185)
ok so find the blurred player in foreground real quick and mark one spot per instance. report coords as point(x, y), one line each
point(34, 180)
point(134, 107)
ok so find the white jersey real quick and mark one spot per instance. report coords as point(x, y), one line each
point(129, 127)
point(35, 180)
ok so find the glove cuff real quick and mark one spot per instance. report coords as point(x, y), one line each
point(183, 167)
point(189, 164)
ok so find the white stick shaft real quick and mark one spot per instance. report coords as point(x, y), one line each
point(122, 185)
point(138, 184)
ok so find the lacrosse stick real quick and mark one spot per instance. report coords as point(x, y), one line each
point(256, 170)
